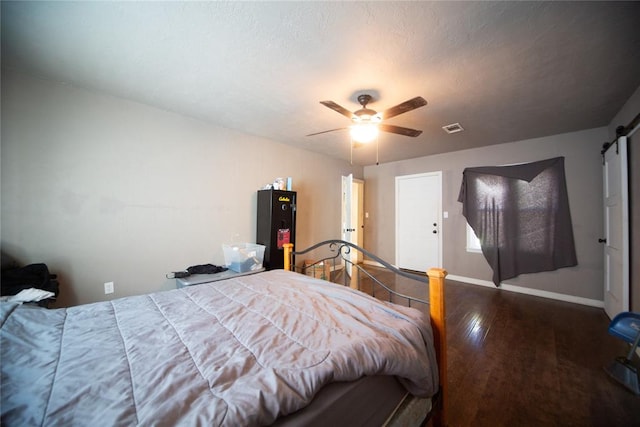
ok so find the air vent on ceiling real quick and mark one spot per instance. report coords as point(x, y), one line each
point(453, 128)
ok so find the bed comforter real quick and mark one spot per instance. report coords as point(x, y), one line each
point(237, 352)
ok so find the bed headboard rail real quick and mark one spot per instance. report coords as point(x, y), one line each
point(337, 258)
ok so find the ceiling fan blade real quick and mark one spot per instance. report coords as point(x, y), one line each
point(409, 105)
point(340, 109)
point(326, 131)
point(399, 130)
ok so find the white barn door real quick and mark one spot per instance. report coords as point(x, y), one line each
point(616, 229)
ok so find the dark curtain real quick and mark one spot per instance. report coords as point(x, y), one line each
point(521, 216)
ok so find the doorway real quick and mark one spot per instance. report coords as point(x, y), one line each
point(418, 221)
point(353, 214)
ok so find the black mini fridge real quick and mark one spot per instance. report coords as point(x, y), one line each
point(276, 225)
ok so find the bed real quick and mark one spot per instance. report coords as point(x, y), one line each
point(276, 347)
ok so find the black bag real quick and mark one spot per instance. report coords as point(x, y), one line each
point(206, 269)
point(31, 276)
point(196, 269)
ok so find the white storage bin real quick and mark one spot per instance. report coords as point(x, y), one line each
point(243, 257)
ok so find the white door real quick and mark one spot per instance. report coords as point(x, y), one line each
point(418, 221)
point(357, 217)
point(353, 214)
point(616, 229)
point(347, 184)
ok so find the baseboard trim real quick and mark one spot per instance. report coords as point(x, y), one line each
point(529, 291)
point(372, 263)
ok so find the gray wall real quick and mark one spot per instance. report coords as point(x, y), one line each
point(630, 110)
point(103, 189)
point(583, 166)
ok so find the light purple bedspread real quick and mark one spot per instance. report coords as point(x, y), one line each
point(237, 352)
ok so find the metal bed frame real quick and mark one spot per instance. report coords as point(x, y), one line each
point(336, 260)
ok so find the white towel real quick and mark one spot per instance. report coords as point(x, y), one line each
point(31, 294)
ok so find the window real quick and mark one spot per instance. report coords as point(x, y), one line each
point(473, 243)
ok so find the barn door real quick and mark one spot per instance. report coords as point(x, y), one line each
point(616, 228)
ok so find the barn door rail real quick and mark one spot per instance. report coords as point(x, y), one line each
point(620, 131)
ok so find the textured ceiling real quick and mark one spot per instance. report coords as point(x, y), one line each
point(505, 71)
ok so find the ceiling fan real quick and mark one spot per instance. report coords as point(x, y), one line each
point(367, 122)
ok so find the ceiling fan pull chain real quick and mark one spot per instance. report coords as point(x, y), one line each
point(377, 149)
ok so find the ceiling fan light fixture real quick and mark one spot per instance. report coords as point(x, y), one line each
point(366, 123)
point(364, 132)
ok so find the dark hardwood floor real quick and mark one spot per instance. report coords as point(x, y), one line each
point(520, 360)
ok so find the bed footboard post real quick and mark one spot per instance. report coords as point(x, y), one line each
point(437, 310)
point(355, 277)
point(288, 248)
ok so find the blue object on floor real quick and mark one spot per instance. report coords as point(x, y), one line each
point(626, 326)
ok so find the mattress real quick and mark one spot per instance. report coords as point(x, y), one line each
point(243, 351)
